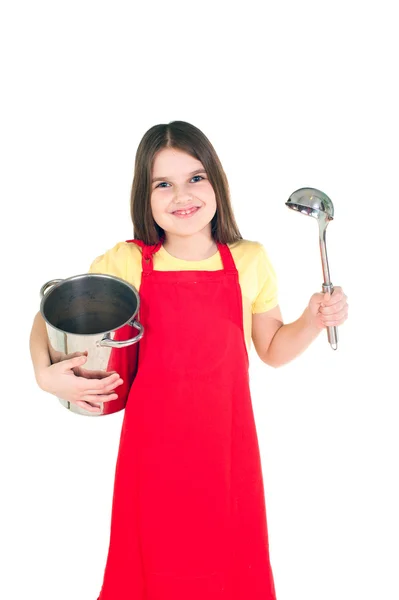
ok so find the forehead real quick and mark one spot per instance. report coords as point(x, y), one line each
point(169, 162)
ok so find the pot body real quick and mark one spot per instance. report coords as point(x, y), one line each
point(93, 313)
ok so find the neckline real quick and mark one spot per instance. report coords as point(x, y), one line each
point(184, 260)
point(148, 252)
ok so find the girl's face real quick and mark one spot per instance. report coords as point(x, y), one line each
point(181, 184)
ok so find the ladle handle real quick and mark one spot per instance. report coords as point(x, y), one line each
point(332, 332)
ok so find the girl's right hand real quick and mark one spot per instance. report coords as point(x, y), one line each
point(68, 380)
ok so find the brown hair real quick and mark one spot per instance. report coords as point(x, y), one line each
point(182, 136)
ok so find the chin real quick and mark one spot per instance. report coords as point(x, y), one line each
point(185, 228)
point(195, 227)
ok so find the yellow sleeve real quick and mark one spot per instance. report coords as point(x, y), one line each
point(267, 293)
point(113, 262)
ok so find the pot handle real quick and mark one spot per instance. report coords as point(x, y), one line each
point(47, 285)
point(106, 341)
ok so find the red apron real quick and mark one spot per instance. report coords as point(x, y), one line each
point(188, 513)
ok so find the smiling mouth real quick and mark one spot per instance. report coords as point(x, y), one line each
point(188, 212)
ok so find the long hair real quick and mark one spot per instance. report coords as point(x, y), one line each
point(182, 136)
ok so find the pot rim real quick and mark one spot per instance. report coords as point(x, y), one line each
point(95, 276)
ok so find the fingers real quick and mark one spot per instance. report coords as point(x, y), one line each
point(318, 298)
point(97, 393)
point(336, 319)
point(337, 296)
point(74, 354)
point(328, 310)
point(96, 398)
point(93, 386)
point(70, 363)
point(336, 302)
point(89, 407)
point(92, 401)
point(87, 374)
point(99, 386)
point(333, 309)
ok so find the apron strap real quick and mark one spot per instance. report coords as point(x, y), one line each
point(148, 252)
point(227, 258)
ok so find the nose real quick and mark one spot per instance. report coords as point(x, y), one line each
point(179, 199)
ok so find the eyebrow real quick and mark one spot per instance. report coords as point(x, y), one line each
point(192, 173)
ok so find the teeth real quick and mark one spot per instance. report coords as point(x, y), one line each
point(185, 212)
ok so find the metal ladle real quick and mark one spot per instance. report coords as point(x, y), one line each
point(315, 203)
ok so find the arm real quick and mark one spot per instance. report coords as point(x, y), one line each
point(278, 344)
point(38, 345)
point(42, 353)
point(64, 376)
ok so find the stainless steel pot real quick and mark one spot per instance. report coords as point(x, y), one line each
point(94, 313)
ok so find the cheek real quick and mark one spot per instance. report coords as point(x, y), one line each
point(154, 206)
point(212, 206)
point(158, 208)
point(157, 204)
point(207, 194)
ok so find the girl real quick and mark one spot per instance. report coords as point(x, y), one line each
point(188, 514)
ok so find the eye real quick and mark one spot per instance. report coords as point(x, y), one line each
point(159, 184)
point(162, 182)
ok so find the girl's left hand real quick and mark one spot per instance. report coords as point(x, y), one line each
point(327, 310)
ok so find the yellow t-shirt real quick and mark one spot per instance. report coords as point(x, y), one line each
point(256, 274)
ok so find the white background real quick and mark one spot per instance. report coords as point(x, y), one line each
point(290, 94)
